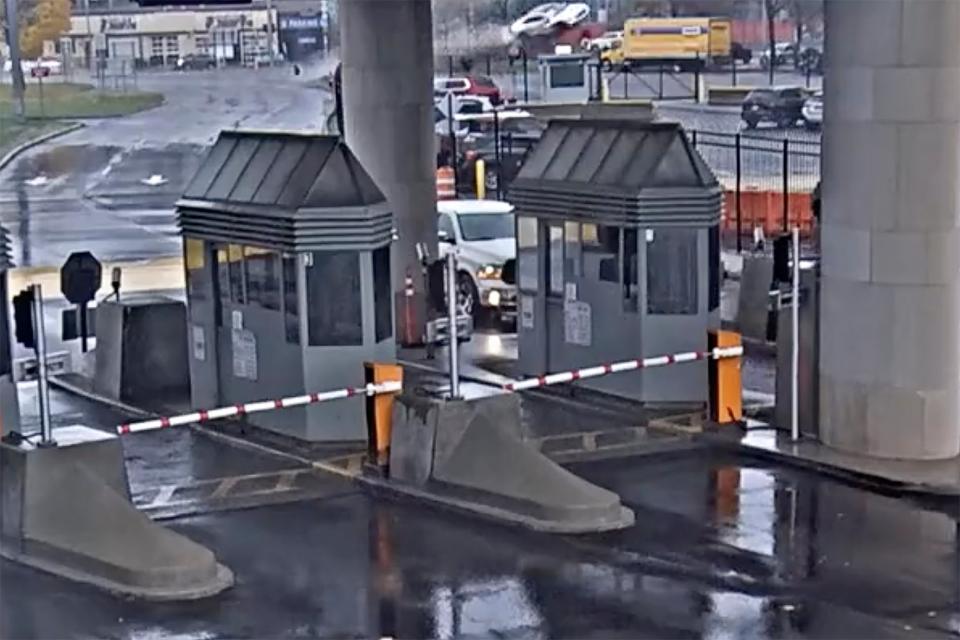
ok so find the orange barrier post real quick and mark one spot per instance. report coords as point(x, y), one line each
point(726, 389)
point(380, 411)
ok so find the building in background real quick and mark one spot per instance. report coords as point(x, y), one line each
point(119, 31)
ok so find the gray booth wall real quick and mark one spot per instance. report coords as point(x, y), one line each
point(280, 362)
point(621, 325)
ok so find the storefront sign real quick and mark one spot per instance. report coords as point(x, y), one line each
point(299, 22)
point(123, 23)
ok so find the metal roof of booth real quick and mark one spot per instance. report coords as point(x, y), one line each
point(624, 172)
point(5, 261)
point(291, 191)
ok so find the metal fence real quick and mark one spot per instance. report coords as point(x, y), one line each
point(767, 180)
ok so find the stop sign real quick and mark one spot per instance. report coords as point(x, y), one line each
point(80, 277)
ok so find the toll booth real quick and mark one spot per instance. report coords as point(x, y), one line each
point(618, 255)
point(287, 256)
point(9, 410)
point(565, 77)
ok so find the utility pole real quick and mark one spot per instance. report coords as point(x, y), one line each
point(270, 31)
point(16, 71)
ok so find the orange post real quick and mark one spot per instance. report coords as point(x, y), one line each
point(726, 389)
point(380, 411)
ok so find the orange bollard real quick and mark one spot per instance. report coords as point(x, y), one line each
point(380, 411)
point(726, 388)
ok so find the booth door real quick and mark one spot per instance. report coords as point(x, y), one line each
point(674, 309)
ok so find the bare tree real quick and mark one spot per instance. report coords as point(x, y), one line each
point(772, 10)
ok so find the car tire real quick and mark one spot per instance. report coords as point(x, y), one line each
point(468, 298)
point(751, 123)
point(785, 122)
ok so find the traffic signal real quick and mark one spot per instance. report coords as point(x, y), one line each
point(23, 318)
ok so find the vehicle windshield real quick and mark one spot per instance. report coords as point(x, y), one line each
point(486, 226)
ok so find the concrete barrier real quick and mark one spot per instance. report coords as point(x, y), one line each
point(67, 510)
point(142, 349)
point(727, 96)
point(469, 454)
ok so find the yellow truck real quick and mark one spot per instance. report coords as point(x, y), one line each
point(687, 43)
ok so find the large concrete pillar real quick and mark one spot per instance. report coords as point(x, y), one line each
point(890, 349)
point(387, 57)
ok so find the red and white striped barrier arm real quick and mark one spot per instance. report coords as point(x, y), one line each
point(201, 417)
point(718, 353)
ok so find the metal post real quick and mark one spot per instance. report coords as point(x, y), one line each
point(270, 32)
point(733, 63)
point(795, 341)
point(626, 84)
point(693, 138)
point(450, 65)
point(660, 87)
point(83, 327)
point(496, 153)
point(786, 185)
point(453, 141)
point(737, 196)
point(526, 82)
point(452, 318)
point(488, 65)
point(43, 392)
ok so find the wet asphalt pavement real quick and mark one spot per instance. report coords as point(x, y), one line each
point(724, 547)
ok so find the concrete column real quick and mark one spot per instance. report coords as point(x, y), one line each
point(387, 57)
point(890, 349)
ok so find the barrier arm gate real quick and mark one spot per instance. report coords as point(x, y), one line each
point(718, 353)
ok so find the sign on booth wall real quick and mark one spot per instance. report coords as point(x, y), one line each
point(244, 354)
point(526, 312)
point(199, 343)
point(577, 323)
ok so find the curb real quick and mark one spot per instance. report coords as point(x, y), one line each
point(852, 476)
point(29, 144)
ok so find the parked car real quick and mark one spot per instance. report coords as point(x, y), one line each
point(813, 111)
point(483, 233)
point(519, 132)
point(740, 53)
point(469, 85)
point(783, 54)
point(53, 65)
point(782, 106)
point(196, 62)
point(608, 40)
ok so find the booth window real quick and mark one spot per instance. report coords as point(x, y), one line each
point(382, 309)
point(631, 293)
point(571, 256)
point(601, 252)
point(672, 272)
point(714, 270)
point(263, 277)
point(194, 261)
point(291, 302)
point(566, 75)
point(235, 266)
point(333, 290)
point(527, 253)
point(223, 274)
point(555, 260)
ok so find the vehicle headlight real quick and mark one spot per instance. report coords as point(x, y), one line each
point(489, 272)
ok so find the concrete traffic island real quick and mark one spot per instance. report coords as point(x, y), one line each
point(67, 510)
point(468, 455)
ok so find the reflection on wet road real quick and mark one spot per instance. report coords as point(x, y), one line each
point(723, 548)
